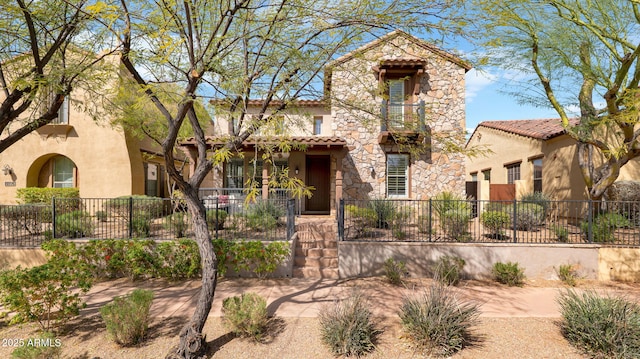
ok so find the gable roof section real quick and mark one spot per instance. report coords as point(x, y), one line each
point(541, 129)
point(396, 33)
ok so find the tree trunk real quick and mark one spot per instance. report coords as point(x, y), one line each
point(192, 343)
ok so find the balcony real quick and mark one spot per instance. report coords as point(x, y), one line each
point(402, 120)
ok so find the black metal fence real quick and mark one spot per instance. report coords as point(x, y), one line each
point(143, 217)
point(611, 223)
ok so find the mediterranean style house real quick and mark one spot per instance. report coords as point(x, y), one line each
point(380, 131)
point(76, 150)
point(534, 156)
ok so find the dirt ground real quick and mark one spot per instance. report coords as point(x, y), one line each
point(300, 338)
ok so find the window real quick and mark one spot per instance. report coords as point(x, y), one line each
point(257, 175)
point(154, 180)
point(397, 175)
point(396, 102)
point(537, 174)
point(317, 125)
point(513, 173)
point(234, 177)
point(486, 175)
point(474, 177)
point(63, 169)
point(63, 113)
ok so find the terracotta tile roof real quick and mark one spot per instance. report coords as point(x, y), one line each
point(273, 103)
point(328, 141)
point(541, 129)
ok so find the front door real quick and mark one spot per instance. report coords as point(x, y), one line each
point(318, 175)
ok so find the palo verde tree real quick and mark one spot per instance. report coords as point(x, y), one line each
point(237, 51)
point(581, 55)
point(47, 48)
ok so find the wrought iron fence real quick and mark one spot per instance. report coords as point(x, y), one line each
point(143, 217)
point(540, 221)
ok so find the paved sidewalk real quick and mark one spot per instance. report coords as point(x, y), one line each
point(305, 297)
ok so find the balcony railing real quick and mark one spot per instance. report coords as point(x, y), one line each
point(403, 117)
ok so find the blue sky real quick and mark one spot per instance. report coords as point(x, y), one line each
point(485, 102)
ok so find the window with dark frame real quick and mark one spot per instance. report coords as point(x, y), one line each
point(537, 175)
point(234, 174)
point(486, 175)
point(317, 125)
point(513, 172)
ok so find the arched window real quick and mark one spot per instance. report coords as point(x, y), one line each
point(63, 170)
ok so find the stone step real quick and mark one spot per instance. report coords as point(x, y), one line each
point(316, 262)
point(308, 244)
point(305, 236)
point(308, 272)
point(316, 252)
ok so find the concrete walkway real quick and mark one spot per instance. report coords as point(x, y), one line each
point(306, 297)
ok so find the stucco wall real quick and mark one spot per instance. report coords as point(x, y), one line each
point(24, 257)
point(539, 261)
point(356, 102)
point(621, 264)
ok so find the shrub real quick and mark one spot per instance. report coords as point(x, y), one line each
point(395, 271)
point(76, 224)
point(26, 217)
point(245, 315)
point(216, 219)
point(424, 224)
point(45, 195)
point(604, 227)
point(385, 212)
point(347, 327)
point(455, 221)
point(508, 273)
point(447, 270)
point(568, 274)
point(127, 318)
point(495, 221)
point(137, 211)
point(47, 347)
point(362, 219)
point(623, 197)
point(541, 199)
point(257, 257)
point(529, 216)
point(178, 259)
point(177, 223)
point(562, 233)
point(263, 215)
point(437, 322)
point(447, 201)
point(102, 216)
point(141, 224)
point(604, 327)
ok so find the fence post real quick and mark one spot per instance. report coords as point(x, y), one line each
point(217, 225)
point(430, 228)
point(590, 221)
point(515, 221)
point(341, 220)
point(53, 216)
point(130, 217)
point(291, 218)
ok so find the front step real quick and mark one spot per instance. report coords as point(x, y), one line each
point(316, 252)
point(310, 272)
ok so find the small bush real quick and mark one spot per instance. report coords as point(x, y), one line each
point(45, 346)
point(437, 322)
point(256, 256)
point(141, 224)
point(385, 211)
point(495, 221)
point(448, 270)
point(127, 318)
point(76, 224)
point(178, 223)
point(529, 216)
point(604, 227)
point(395, 271)
point(541, 199)
point(216, 219)
point(454, 223)
point(347, 328)
point(604, 327)
point(361, 219)
point(568, 274)
point(508, 273)
point(562, 233)
point(102, 216)
point(178, 259)
point(246, 315)
point(45, 195)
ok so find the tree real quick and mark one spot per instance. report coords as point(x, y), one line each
point(580, 54)
point(46, 48)
point(240, 50)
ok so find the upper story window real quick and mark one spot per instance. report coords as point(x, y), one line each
point(63, 113)
point(513, 172)
point(537, 174)
point(317, 125)
point(397, 175)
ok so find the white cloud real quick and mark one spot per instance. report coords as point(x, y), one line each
point(475, 81)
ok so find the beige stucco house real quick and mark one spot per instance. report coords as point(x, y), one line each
point(76, 150)
point(534, 155)
point(395, 93)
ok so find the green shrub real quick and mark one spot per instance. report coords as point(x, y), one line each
point(455, 222)
point(216, 217)
point(347, 327)
point(508, 273)
point(137, 211)
point(623, 197)
point(102, 216)
point(257, 257)
point(127, 318)
point(447, 201)
point(424, 224)
point(529, 216)
point(26, 217)
point(602, 326)
point(141, 224)
point(260, 223)
point(44, 346)
point(362, 219)
point(495, 221)
point(178, 223)
point(448, 270)
point(246, 315)
point(604, 227)
point(568, 274)
point(76, 224)
point(263, 215)
point(45, 195)
point(437, 322)
point(385, 212)
point(541, 199)
point(395, 271)
point(562, 233)
point(178, 259)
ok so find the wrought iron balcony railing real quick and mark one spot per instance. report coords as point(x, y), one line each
point(404, 117)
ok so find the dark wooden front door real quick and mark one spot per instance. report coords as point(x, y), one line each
point(318, 175)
